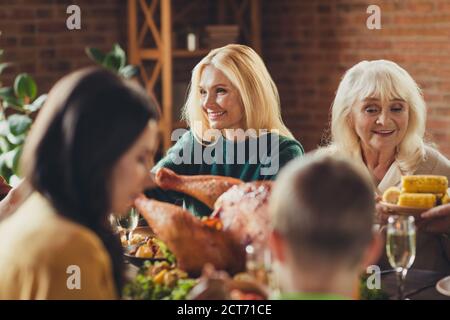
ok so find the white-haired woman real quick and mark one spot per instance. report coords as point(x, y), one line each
point(378, 119)
point(232, 106)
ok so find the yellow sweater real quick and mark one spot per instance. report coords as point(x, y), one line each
point(45, 256)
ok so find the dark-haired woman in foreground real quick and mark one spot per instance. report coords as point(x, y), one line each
point(88, 154)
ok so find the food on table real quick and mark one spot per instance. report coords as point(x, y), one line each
point(148, 247)
point(193, 242)
point(237, 294)
point(425, 184)
point(421, 191)
point(205, 188)
point(136, 238)
point(159, 280)
point(212, 222)
point(417, 200)
point(240, 217)
point(391, 195)
point(244, 211)
point(218, 285)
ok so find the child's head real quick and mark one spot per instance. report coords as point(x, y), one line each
point(322, 214)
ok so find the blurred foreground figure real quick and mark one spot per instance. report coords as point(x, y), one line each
point(322, 214)
point(88, 155)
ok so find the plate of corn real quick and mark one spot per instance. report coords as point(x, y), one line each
point(417, 194)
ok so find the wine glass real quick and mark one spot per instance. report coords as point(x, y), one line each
point(128, 222)
point(401, 247)
point(260, 266)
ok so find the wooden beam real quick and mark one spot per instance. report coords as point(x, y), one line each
point(144, 26)
point(166, 61)
point(151, 23)
point(150, 54)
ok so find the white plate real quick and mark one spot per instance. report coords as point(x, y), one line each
point(443, 286)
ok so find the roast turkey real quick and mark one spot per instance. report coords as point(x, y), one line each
point(241, 207)
point(202, 187)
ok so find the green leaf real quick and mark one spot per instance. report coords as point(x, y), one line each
point(112, 62)
point(120, 54)
point(16, 159)
point(5, 146)
point(5, 172)
point(95, 54)
point(129, 71)
point(19, 124)
point(13, 102)
point(9, 158)
point(3, 66)
point(14, 180)
point(4, 127)
point(16, 140)
point(37, 104)
point(25, 86)
point(6, 92)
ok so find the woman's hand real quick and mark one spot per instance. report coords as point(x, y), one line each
point(381, 212)
point(435, 220)
point(15, 197)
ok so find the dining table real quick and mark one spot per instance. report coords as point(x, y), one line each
point(419, 285)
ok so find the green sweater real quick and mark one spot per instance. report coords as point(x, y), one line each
point(250, 160)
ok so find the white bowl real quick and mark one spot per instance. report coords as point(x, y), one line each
point(443, 286)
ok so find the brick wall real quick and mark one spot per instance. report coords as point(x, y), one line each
point(307, 45)
point(35, 36)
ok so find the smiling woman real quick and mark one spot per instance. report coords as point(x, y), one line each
point(232, 106)
point(378, 119)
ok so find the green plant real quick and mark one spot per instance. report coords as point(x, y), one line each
point(115, 60)
point(20, 103)
point(17, 107)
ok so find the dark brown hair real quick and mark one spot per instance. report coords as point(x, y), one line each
point(90, 119)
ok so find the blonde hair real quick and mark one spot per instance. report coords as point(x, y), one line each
point(247, 72)
point(385, 80)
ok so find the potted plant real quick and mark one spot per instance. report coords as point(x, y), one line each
point(114, 60)
point(18, 104)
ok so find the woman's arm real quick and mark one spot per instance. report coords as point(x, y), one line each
point(15, 197)
point(173, 161)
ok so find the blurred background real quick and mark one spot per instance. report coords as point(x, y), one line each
point(306, 44)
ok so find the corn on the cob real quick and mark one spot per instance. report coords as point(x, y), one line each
point(391, 195)
point(424, 184)
point(417, 200)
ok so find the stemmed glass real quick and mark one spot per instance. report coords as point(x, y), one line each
point(260, 266)
point(127, 222)
point(401, 247)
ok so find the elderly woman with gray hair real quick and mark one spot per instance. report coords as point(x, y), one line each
point(378, 119)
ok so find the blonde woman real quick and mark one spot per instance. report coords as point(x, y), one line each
point(236, 130)
point(378, 119)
